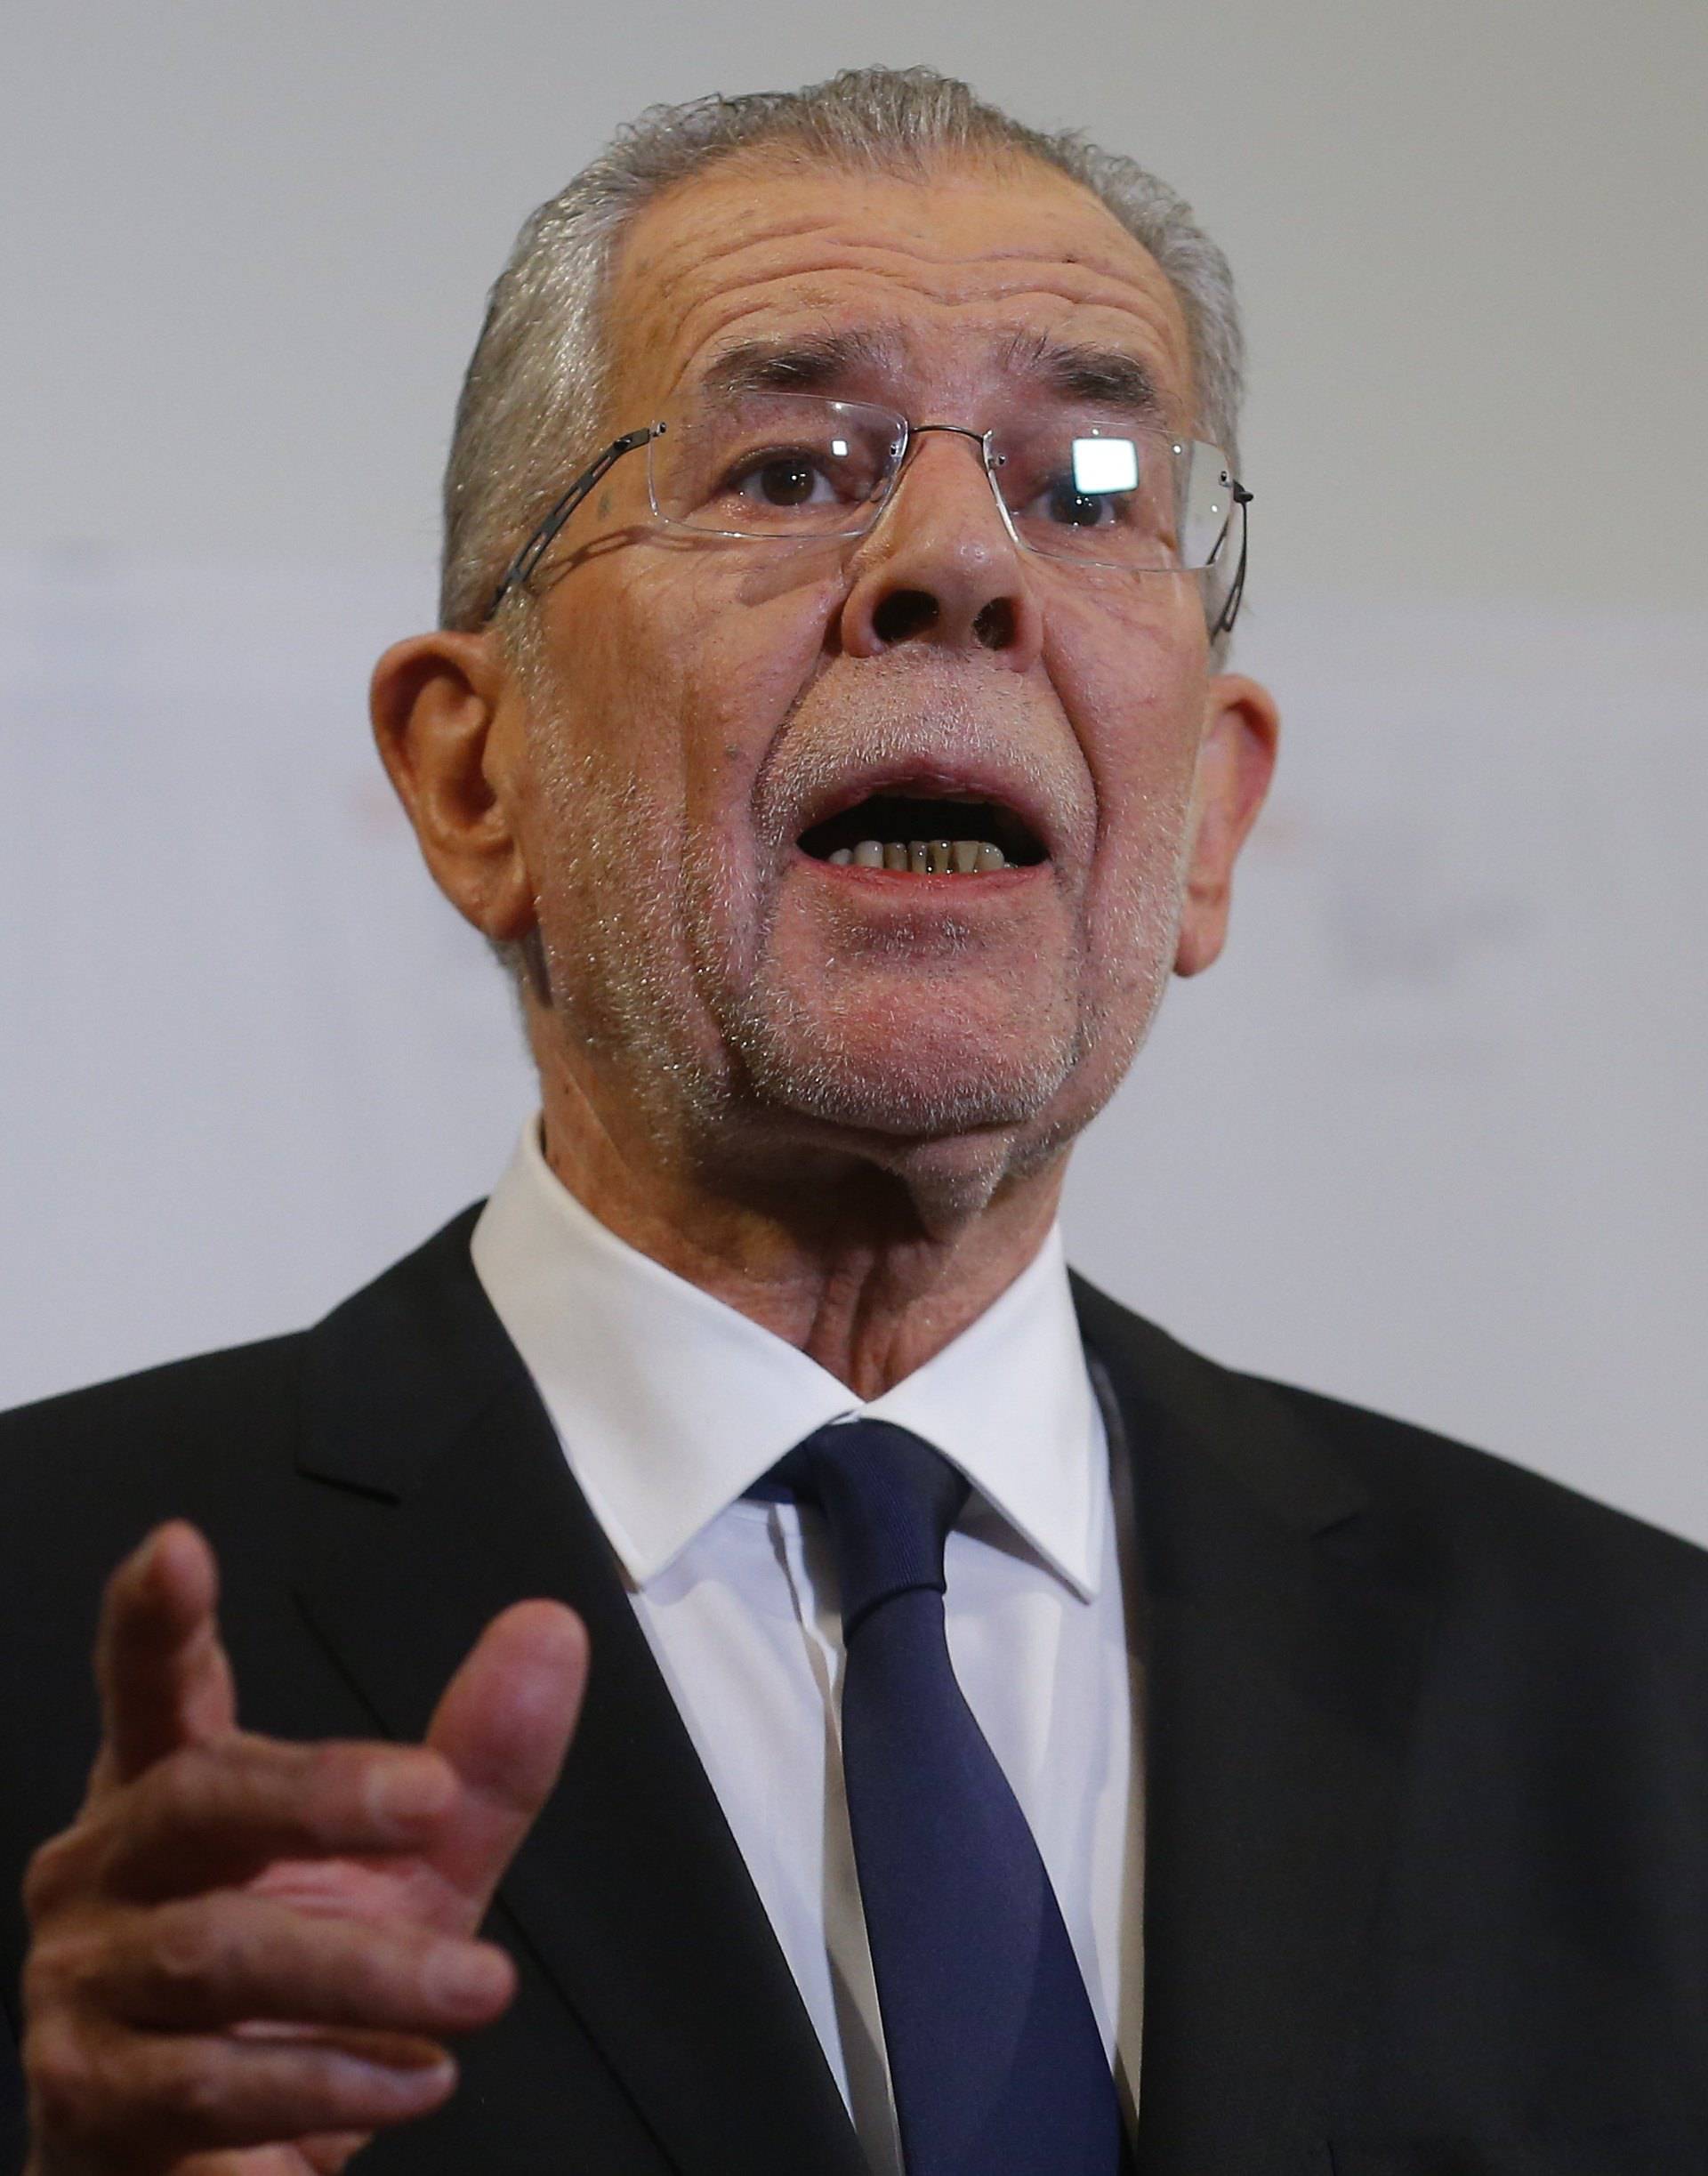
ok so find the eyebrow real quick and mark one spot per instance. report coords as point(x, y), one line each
point(816, 362)
point(805, 363)
point(1079, 370)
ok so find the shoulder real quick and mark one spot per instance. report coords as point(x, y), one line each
point(82, 1478)
point(215, 1438)
point(85, 1476)
point(1485, 1503)
point(1477, 1519)
point(151, 1434)
point(156, 1406)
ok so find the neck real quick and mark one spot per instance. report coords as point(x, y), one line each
point(868, 1257)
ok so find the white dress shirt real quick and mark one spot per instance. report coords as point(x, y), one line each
point(668, 1405)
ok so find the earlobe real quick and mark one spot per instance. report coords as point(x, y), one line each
point(447, 721)
point(1235, 762)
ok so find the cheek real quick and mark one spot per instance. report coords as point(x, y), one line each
point(630, 669)
point(609, 795)
point(747, 653)
point(1132, 683)
point(677, 667)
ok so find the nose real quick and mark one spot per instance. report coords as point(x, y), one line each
point(941, 566)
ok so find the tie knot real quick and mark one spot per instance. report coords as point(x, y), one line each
point(889, 1499)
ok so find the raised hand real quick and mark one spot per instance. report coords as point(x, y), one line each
point(247, 1955)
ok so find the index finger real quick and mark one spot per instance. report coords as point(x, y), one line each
point(162, 1673)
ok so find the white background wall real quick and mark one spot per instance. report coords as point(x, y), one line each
point(1430, 1136)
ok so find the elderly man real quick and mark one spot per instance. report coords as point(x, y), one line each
point(1012, 1745)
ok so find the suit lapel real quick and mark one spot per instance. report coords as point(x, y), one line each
point(435, 1495)
point(1283, 1635)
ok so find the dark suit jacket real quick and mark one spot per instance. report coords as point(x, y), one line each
point(1427, 1742)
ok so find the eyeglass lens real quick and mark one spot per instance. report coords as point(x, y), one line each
point(1074, 486)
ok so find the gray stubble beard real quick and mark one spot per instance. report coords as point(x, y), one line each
point(617, 984)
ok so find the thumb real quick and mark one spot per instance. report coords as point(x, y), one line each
point(504, 1723)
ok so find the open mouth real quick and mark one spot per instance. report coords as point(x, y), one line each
point(924, 836)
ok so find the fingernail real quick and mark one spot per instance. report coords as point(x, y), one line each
point(461, 1975)
point(427, 2070)
point(415, 2064)
point(403, 1795)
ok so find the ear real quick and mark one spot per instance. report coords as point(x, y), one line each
point(1236, 761)
point(450, 725)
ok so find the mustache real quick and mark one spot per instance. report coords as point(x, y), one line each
point(930, 720)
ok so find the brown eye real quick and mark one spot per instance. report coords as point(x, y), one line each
point(786, 482)
point(1073, 509)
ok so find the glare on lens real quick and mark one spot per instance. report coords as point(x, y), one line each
point(1105, 464)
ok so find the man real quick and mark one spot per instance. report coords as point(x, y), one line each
point(1011, 1743)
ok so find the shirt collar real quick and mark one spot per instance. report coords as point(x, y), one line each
point(669, 1404)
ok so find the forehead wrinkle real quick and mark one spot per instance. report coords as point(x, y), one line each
point(815, 314)
point(993, 275)
point(701, 249)
point(693, 267)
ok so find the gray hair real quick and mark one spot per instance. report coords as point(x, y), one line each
point(534, 399)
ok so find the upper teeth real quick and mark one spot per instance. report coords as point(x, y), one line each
point(924, 857)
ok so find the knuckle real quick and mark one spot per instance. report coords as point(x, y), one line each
point(194, 1948)
point(62, 2083)
point(51, 1968)
point(148, 1805)
point(52, 1872)
point(192, 2090)
point(308, 1791)
point(333, 1790)
point(179, 1797)
point(388, 1972)
point(330, 1767)
point(177, 1785)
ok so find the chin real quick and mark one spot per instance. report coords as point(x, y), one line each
point(910, 1077)
point(951, 1142)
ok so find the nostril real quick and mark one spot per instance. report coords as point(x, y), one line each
point(995, 625)
point(903, 614)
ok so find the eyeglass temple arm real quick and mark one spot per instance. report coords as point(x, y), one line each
point(521, 568)
point(1231, 610)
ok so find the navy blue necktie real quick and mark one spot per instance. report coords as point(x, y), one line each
point(995, 2054)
